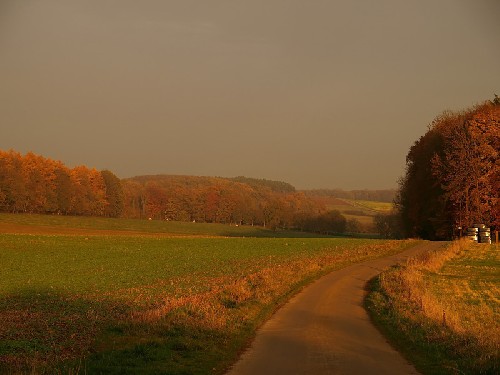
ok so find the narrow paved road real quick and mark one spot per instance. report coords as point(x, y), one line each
point(325, 329)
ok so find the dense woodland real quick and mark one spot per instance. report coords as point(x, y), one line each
point(452, 175)
point(218, 200)
point(34, 184)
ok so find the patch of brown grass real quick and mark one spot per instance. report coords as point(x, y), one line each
point(240, 298)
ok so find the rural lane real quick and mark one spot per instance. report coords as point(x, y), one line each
point(325, 330)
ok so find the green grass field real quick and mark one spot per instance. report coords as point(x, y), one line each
point(57, 223)
point(443, 310)
point(107, 303)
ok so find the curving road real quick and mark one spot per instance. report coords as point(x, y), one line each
point(325, 330)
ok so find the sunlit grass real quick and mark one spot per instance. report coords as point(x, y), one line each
point(470, 279)
point(444, 307)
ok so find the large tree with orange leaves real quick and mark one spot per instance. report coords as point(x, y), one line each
point(452, 174)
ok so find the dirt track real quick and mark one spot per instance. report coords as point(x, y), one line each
point(325, 330)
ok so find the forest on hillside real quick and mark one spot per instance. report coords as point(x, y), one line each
point(452, 175)
point(385, 195)
point(217, 200)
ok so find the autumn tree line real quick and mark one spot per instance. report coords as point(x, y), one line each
point(221, 200)
point(452, 178)
point(34, 184)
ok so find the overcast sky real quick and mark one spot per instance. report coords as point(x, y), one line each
point(318, 93)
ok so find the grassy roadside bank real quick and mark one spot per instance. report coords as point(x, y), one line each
point(442, 309)
point(147, 305)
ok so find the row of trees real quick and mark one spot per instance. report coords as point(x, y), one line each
point(34, 184)
point(452, 175)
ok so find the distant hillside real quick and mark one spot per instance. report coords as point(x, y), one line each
point(178, 180)
point(201, 181)
point(386, 195)
point(276, 186)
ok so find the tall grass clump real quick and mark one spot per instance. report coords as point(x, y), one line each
point(442, 307)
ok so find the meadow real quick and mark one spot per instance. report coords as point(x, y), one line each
point(442, 309)
point(59, 224)
point(127, 296)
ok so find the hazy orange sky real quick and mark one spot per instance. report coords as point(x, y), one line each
point(318, 93)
